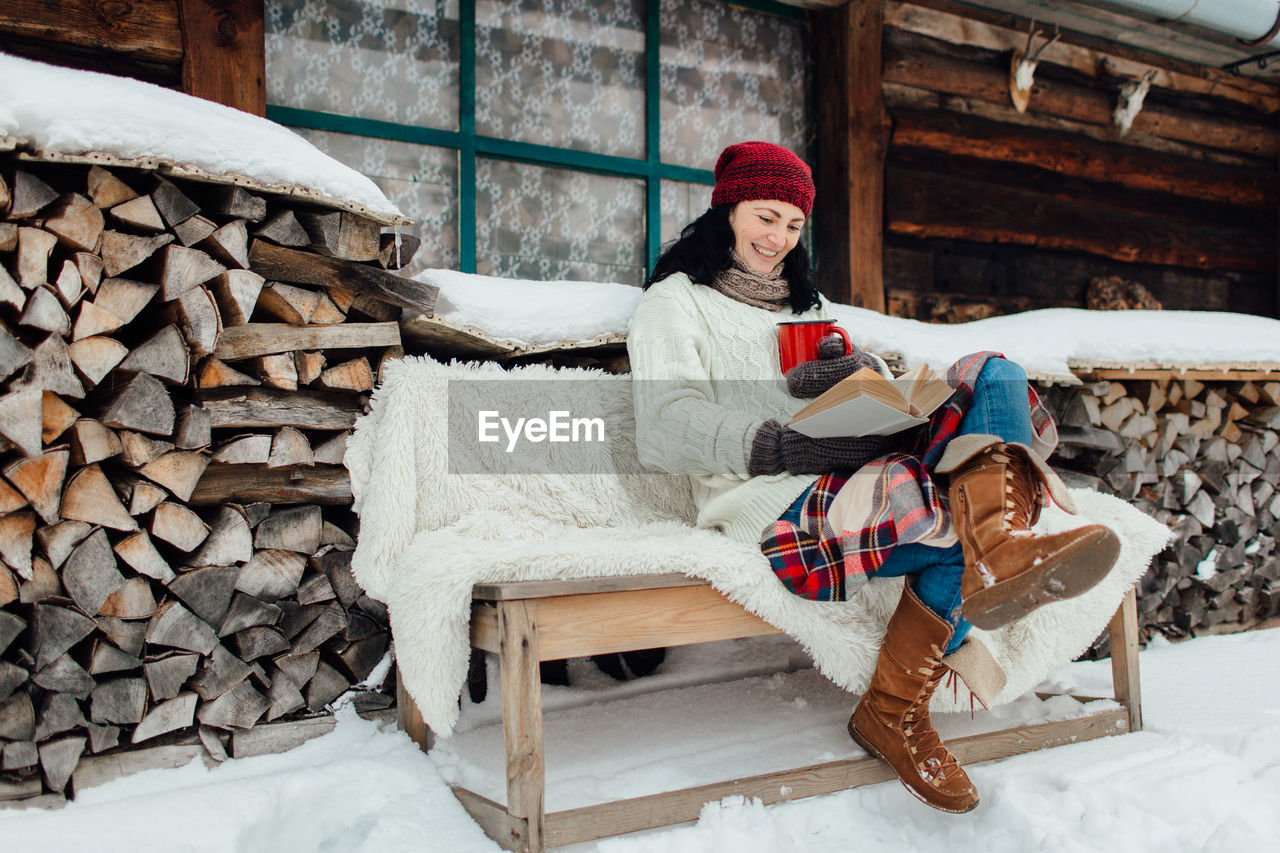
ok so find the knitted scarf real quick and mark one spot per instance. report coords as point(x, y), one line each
point(739, 281)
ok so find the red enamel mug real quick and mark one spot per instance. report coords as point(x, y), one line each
point(798, 341)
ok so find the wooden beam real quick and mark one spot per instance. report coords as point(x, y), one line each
point(853, 137)
point(908, 62)
point(141, 29)
point(510, 833)
point(581, 625)
point(409, 718)
point(1234, 230)
point(1119, 48)
point(1091, 373)
point(938, 205)
point(1123, 636)
point(508, 590)
point(522, 718)
point(224, 59)
point(632, 815)
point(1087, 55)
point(1066, 153)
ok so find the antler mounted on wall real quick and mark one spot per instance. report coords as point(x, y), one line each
point(1132, 94)
point(1022, 67)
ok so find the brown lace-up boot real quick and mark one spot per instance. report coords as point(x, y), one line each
point(892, 720)
point(1009, 571)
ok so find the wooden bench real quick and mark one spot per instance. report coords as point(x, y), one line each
point(528, 622)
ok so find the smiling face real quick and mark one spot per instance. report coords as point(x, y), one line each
point(764, 232)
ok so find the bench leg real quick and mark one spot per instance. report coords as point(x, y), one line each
point(1124, 658)
point(409, 718)
point(522, 719)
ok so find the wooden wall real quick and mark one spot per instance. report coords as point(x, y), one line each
point(209, 48)
point(988, 210)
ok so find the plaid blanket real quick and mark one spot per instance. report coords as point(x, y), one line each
point(895, 497)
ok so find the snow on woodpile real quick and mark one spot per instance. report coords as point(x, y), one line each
point(1044, 342)
point(61, 111)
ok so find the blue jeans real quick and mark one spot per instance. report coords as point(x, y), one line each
point(999, 408)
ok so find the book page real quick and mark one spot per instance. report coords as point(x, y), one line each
point(858, 416)
point(927, 390)
point(865, 382)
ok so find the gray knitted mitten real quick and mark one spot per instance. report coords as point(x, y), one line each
point(777, 448)
point(813, 377)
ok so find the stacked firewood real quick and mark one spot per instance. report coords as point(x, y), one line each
point(1201, 457)
point(181, 364)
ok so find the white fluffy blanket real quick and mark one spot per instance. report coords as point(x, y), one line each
point(427, 535)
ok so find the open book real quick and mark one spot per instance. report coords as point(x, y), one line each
point(866, 403)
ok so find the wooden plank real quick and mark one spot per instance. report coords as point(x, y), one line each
point(852, 140)
point(575, 586)
point(935, 205)
point(142, 29)
point(580, 625)
point(409, 718)
point(508, 832)
point(522, 717)
point(277, 263)
point(1123, 637)
point(898, 95)
point(268, 407)
point(223, 57)
point(991, 83)
point(1080, 53)
point(1200, 373)
point(1067, 154)
point(632, 815)
point(256, 339)
point(1148, 45)
point(1238, 230)
point(243, 483)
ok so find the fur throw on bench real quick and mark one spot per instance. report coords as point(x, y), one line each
point(428, 535)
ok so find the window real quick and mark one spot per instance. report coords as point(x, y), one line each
point(539, 138)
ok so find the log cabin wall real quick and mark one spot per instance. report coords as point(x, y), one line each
point(208, 48)
point(987, 210)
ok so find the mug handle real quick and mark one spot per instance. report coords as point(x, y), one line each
point(848, 344)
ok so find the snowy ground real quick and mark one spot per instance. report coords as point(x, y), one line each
point(1203, 776)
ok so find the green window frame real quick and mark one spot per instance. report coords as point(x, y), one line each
point(471, 145)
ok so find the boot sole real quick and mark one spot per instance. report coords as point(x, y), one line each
point(1072, 572)
point(875, 753)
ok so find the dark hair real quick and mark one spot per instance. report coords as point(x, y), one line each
point(702, 251)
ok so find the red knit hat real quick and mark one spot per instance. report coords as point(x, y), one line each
point(751, 171)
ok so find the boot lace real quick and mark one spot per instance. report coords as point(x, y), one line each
point(933, 760)
point(1023, 497)
point(953, 680)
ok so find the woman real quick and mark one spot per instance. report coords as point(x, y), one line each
point(710, 403)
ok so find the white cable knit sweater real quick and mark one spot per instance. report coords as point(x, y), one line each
point(705, 375)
